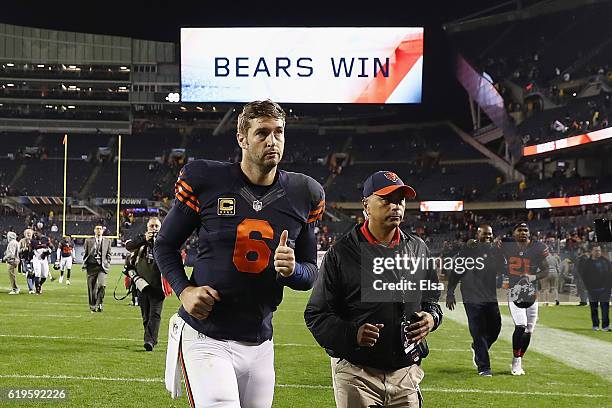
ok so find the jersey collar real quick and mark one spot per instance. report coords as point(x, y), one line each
point(370, 238)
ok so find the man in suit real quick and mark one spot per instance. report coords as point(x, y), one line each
point(96, 260)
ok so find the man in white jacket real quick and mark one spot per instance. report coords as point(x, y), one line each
point(11, 257)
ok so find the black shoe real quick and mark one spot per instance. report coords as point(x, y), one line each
point(148, 347)
point(556, 303)
point(486, 373)
point(582, 304)
point(100, 308)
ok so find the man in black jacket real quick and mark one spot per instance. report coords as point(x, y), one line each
point(597, 277)
point(376, 346)
point(151, 298)
point(479, 294)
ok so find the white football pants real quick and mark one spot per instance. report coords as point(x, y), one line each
point(226, 373)
point(41, 268)
point(65, 263)
point(524, 317)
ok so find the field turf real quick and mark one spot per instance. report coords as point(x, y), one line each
point(53, 341)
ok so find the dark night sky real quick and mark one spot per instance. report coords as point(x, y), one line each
point(161, 20)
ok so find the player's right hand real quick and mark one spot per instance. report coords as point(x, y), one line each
point(198, 301)
point(367, 334)
point(450, 302)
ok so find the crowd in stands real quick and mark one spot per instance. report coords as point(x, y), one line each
point(542, 63)
point(574, 118)
point(567, 229)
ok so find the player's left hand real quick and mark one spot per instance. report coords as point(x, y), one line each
point(284, 257)
point(421, 328)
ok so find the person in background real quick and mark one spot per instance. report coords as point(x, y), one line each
point(11, 257)
point(96, 261)
point(549, 290)
point(597, 276)
point(26, 255)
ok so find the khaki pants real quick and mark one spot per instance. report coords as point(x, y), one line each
point(363, 387)
point(12, 272)
point(549, 291)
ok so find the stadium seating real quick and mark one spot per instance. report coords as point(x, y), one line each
point(574, 114)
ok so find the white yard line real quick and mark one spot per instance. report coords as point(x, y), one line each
point(33, 336)
point(64, 316)
point(574, 350)
point(299, 386)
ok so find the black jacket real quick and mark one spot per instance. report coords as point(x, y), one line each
point(595, 273)
point(141, 258)
point(335, 311)
point(479, 280)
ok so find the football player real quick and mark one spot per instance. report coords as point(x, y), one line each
point(64, 258)
point(40, 246)
point(255, 226)
point(526, 260)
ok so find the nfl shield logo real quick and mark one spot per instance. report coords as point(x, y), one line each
point(257, 205)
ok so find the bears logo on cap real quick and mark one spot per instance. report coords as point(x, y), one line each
point(389, 175)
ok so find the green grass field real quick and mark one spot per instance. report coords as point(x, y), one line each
point(53, 341)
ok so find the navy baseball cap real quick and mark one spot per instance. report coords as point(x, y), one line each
point(384, 182)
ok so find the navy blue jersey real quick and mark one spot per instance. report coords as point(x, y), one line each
point(65, 247)
point(238, 227)
point(523, 260)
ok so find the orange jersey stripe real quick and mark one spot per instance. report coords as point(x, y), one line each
point(188, 202)
point(320, 207)
point(184, 184)
point(181, 185)
point(187, 196)
point(315, 218)
point(315, 212)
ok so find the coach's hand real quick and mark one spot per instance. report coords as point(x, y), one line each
point(284, 257)
point(368, 334)
point(421, 328)
point(198, 301)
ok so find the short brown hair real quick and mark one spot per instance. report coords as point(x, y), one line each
point(258, 109)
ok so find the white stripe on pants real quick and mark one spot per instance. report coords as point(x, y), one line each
point(226, 373)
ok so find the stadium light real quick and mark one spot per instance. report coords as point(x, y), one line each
point(173, 97)
point(10, 64)
point(441, 206)
point(589, 199)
